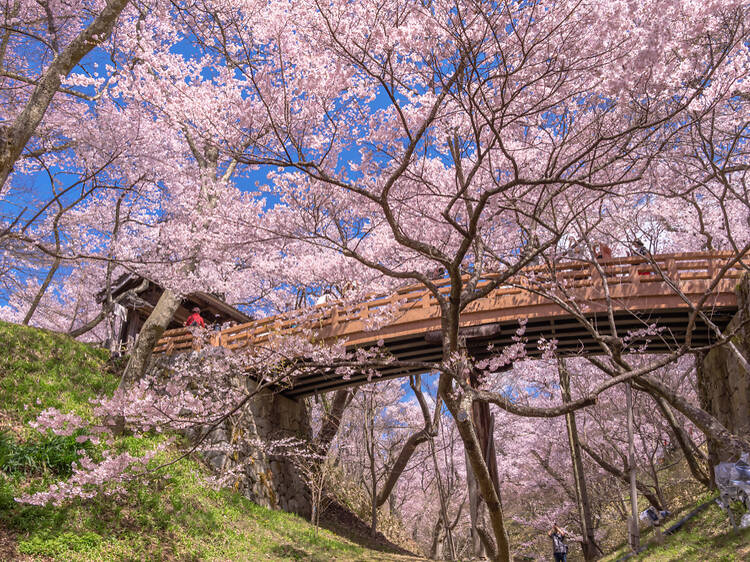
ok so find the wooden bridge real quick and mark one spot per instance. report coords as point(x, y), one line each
point(638, 293)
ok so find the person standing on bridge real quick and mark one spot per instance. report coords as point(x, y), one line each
point(603, 252)
point(195, 319)
point(639, 249)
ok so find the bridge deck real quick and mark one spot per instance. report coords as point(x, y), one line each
point(639, 294)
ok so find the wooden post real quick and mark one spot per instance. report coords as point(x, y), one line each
point(671, 268)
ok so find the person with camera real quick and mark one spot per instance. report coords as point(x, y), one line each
point(559, 548)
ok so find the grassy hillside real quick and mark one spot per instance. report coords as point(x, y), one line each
point(173, 516)
point(707, 536)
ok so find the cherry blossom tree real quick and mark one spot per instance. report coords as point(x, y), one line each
point(411, 142)
point(42, 43)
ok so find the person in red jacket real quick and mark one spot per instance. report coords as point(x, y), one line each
point(195, 318)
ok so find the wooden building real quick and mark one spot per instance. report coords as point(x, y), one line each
point(143, 295)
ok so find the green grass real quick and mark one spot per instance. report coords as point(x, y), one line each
point(41, 369)
point(45, 454)
point(172, 516)
point(175, 517)
point(708, 536)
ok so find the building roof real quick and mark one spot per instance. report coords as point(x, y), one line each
point(207, 302)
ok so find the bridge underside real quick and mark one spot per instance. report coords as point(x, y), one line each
point(572, 339)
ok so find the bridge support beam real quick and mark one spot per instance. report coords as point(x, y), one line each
point(724, 380)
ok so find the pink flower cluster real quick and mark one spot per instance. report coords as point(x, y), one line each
point(58, 422)
point(91, 478)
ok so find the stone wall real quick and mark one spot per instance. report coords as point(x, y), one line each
point(267, 479)
point(724, 380)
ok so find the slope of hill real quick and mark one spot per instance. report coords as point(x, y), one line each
point(706, 536)
point(174, 516)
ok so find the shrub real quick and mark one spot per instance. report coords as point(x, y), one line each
point(48, 454)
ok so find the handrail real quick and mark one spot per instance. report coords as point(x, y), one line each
point(631, 271)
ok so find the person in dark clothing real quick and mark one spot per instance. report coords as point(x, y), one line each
point(559, 548)
point(195, 319)
point(639, 249)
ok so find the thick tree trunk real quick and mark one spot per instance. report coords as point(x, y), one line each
point(484, 481)
point(483, 426)
point(588, 542)
point(476, 511)
point(149, 335)
point(460, 407)
point(332, 420)
point(18, 134)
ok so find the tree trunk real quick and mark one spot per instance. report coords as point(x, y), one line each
point(475, 511)
point(483, 426)
point(544, 463)
point(733, 444)
point(41, 291)
point(332, 420)
point(52, 270)
point(370, 447)
point(588, 542)
point(485, 484)
point(436, 548)
point(374, 498)
point(414, 440)
point(614, 471)
point(106, 309)
point(686, 444)
point(149, 335)
point(17, 135)
point(443, 503)
point(460, 407)
point(634, 530)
